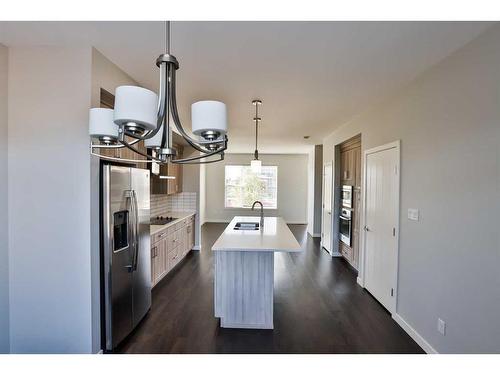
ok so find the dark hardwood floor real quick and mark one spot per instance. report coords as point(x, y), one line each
point(318, 308)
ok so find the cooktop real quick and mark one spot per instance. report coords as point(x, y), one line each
point(162, 220)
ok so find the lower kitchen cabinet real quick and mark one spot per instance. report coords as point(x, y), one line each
point(170, 246)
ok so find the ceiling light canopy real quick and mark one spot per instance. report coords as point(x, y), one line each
point(142, 115)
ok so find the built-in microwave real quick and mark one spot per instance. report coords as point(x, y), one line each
point(346, 196)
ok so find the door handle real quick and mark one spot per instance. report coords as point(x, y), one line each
point(135, 230)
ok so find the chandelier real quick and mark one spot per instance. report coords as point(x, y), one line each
point(141, 115)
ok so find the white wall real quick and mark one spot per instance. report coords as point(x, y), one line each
point(4, 243)
point(106, 75)
point(448, 121)
point(292, 187)
point(49, 199)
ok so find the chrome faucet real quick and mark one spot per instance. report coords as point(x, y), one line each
point(261, 212)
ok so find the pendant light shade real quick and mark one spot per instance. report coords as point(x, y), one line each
point(101, 124)
point(209, 118)
point(136, 108)
point(256, 166)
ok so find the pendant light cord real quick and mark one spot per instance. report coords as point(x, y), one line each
point(256, 124)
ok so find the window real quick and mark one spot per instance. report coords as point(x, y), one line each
point(243, 187)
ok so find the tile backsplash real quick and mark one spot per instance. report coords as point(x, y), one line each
point(162, 203)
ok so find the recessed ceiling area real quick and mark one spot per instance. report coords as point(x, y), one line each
point(311, 76)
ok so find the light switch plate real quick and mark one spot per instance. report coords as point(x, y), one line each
point(441, 326)
point(413, 214)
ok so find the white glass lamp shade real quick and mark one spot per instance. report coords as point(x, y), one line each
point(136, 105)
point(256, 166)
point(101, 124)
point(209, 117)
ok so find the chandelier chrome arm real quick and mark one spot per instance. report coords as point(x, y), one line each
point(198, 161)
point(149, 157)
point(219, 151)
point(152, 159)
point(112, 158)
point(118, 145)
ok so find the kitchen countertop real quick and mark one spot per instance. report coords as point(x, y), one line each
point(276, 236)
point(180, 215)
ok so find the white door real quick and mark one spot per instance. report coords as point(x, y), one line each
point(326, 230)
point(381, 224)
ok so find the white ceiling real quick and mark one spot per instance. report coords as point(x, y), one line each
point(311, 76)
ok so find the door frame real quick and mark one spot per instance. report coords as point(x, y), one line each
point(361, 278)
point(325, 164)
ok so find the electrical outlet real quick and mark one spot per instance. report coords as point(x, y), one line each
point(441, 326)
point(413, 214)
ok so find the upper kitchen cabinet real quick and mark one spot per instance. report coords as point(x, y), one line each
point(170, 185)
point(350, 167)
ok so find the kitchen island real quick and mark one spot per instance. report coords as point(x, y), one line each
point(244, 271)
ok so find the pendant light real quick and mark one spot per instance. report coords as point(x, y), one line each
point(256, 164)
point(142, 115)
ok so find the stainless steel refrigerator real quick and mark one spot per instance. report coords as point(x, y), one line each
point(126, 251)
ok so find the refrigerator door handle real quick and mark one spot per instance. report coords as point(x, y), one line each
point(136, 231)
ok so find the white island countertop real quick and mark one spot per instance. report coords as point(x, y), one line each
point(276, 236)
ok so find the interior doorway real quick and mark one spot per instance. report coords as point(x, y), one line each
point(381, 223)
point(326, 222)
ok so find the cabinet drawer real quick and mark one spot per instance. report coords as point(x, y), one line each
point(346, 252)
point(159, 236)
point(172, 258)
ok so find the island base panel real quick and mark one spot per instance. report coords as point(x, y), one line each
point(244, 286)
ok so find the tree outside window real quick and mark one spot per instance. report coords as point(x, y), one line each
point(243, 186)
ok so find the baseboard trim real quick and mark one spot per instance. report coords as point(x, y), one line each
point(360, 282)
point(336, 255)
point(197, 247)
point(414, 335)
point(316, 235)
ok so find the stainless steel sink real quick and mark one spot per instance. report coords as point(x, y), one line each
point(246, 226)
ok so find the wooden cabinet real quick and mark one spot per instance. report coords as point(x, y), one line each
point(346, 251)
point(348, 167)
point(158, 260)
point(170, 246)
point(174, 186)
point(168, 186)
point(350, 174)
